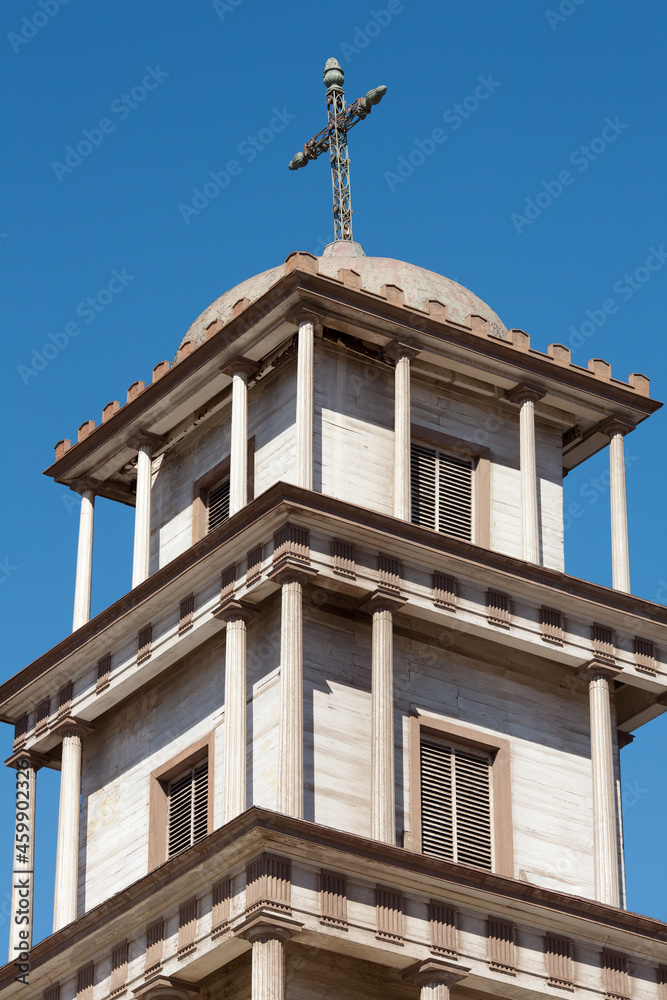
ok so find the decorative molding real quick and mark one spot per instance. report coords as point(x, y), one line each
point(186, 614)
point(644, 651)
point(552, 626)
point(146, 439)
point(254, 570)
point(389, 575)
point(265, 926)
point(442, 929)
point(380, 600)
point(20, 731)
point(615, 977)
point(397, 349)
point(103, 673)
point(344, 563)
point(615, 425)
point(524, 391)
point(227, 582)
point(84, 982)
point(498, 608)
point(221, 906)
point(389, 914)
point(187, 927)
point(333, 899)
point(268, 883)
point(42, 716)
point(235, 609)
point(603, 642)
point(68, 725)
point(240, 366)
point(154, 946)
point(502, 949)
point(118, 978)
point(597, 667)
point(64, 700)
point(662, 981)
point(144, 644)
point(159, 987)
point(291, 547)
point(52, 992)
point(559, 963)
point(445, 589)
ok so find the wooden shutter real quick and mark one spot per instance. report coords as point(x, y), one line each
point(456, 804)
point(218, 505)
point(188, 808)
point(441, 487)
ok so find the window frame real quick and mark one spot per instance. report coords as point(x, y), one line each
point(160, 778)
point(425, 726)
point(211, 479)
point(481, 477)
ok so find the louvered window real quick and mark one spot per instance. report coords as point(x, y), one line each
point(188, 808)
point(441, 487)
point(456, 804)
point(218, 505)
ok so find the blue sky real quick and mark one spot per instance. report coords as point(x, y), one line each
point(560, 107)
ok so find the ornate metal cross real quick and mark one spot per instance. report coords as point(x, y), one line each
point(334, 138)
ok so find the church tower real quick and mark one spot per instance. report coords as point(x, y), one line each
point(353, 733)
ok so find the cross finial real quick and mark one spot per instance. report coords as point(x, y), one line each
point(334, 138)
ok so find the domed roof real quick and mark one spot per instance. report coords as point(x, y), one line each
point(418, 285)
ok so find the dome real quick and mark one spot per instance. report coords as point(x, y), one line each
point(418, 285)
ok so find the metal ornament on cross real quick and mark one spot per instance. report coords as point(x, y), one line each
point(333, 137)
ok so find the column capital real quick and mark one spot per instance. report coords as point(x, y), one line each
point(597, 667)
point(304, 312)
point(71, 726)
point(233, 608)
point(615, 425)
point(381, 600)
point(240, 366)
point(146, 439)
point(288, 571)
point(435, 970)
point(524, 391)
point(398, 349)
point(266, 925)
point(161, 987)
point(35, 758)
point(85, 485)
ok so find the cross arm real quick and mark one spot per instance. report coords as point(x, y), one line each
point(344, 121)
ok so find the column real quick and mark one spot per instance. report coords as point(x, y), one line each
point(435, 977)
point(268, 936)
point(240, 369)
point(142, 517)
point(402, 355)
point(620, 553)
point(605, 838)
point(67, 851)
point(383, 811)
point(304, 404)
point(84, 558)
point(527, 395)
point(290, 764)
point(235, 614)
point(23, 868)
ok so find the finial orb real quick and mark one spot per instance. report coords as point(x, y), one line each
point(333, 74)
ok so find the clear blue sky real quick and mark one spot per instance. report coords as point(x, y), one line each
point(239, 82)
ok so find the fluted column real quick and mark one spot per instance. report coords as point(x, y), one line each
point(240, 369)
point(290, 763)
point(235, 614)
point(23, 868)
point(383, 810)
point(304, 404)
point(67, 851)
point(402, 355)
point(268, 936)
point(620, 551)
point(84, 557)
point(526, 396)
point(605, 836)
point(435, 977)
point(145, 443)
